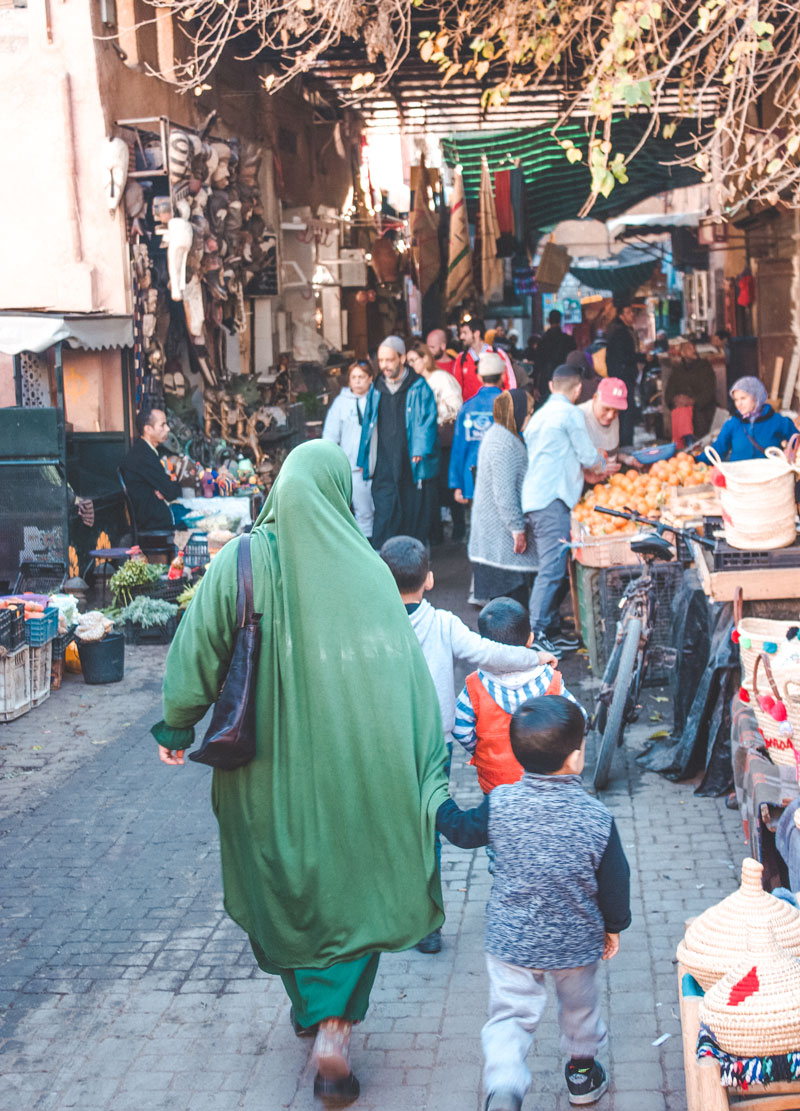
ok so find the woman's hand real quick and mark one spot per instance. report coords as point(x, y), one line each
point(520, 542)
point(170, 756)
point(459, 497)
point(547, 659)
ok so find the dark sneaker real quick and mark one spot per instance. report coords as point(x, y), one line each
point(302, 1031)
point(565, 642)
point(503, 1100)
point(431, 943)
point(542, 644)
point(586, 1083)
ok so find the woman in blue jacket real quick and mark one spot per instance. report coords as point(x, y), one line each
point(754, 426)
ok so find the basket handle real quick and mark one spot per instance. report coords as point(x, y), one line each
point(792, 447)
point(777, 455)
point(738, 600)
point(770, 678)
point(714, 456)
point(790, 697)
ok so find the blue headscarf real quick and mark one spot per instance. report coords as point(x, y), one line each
point(755, 387)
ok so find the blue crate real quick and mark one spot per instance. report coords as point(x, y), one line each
point(42, 630)
point(650, 455)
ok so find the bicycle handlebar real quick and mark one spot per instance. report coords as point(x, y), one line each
point(659, 526)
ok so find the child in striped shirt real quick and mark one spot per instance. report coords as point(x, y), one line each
point(488, 700)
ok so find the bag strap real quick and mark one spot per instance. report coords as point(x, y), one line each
point(738, 598)
point(756, 444)
point(244, 583)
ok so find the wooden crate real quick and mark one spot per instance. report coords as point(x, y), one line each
point(41, 660)
point(760, 584)
point(15, 684)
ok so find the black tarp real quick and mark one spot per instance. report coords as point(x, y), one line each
point(704, 680)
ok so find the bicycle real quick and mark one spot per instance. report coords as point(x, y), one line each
point(618, 700)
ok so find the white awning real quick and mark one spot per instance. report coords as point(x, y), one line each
point(654, 223)
point(38, 331)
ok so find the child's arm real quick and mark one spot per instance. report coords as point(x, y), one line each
point(479, 652)
point(614, 892)
point(464, 728)
point(465, 828)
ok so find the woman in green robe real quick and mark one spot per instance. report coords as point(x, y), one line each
point(327, 837)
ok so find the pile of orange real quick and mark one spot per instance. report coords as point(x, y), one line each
point(643, 491)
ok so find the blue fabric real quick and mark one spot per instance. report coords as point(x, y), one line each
point(421, 429)
point(559, 447)
point(550, 527)
point(474, 420)
point(770, 430)
point(787, 842)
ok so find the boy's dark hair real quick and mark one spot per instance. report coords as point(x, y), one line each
point(407, 559)
point(505, 621)
point(491, 379)
point(554, 317)
point(544, 731)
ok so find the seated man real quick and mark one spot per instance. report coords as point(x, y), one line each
point(149, 486)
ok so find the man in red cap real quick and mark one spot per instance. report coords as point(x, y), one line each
point(602, 419)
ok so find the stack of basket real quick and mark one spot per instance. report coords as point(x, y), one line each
point(769, 650)
point(745, 953)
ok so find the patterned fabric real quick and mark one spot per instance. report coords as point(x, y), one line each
point(459, 261)
point(549, 837)
point(741, 1072)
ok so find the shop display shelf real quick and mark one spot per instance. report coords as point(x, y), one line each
point(41, 659)
point(40, 631)
point(15, 684)
point(727, 558)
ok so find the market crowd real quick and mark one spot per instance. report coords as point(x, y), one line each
point(330, 830)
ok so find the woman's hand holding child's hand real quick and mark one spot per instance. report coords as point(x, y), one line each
point(520, 542)
point(611, 947)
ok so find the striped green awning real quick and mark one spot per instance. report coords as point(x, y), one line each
point(556, 188)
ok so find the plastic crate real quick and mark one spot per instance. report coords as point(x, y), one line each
point(40, 631)
point(12, 629)
point(15, 684)
point(44, 578)
point(169, 590)
point(61, 641)
point(159, 634)
point(196, 552)
point(727, 558)
point(41, 660)
point(612, 585)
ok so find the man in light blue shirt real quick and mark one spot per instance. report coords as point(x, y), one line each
point(559, 449)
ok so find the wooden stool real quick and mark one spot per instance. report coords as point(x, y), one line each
point(704, 1089)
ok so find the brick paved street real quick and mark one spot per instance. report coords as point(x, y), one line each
point(125, 987)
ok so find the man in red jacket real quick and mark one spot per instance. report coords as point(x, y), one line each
point(465, 368)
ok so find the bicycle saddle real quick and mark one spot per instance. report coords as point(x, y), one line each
point(653, 545)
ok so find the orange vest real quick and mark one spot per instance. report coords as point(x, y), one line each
point(493, 758)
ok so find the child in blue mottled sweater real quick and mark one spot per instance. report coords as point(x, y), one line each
point(560, 897)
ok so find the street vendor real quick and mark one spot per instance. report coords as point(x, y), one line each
point(754, 426)
point(602, 423)
point(149, 485)
point(691, 393)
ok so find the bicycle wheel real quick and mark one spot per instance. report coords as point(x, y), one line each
point(615, 722)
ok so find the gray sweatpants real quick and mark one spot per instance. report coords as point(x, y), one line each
point(517, 1000)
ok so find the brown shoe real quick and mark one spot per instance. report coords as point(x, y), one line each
point(332, 1049)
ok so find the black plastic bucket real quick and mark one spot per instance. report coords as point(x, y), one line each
point(103, 661)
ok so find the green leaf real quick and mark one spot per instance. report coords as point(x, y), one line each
point(645, 93)
point(607, 184)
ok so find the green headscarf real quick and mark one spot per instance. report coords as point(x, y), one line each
point(327, 837)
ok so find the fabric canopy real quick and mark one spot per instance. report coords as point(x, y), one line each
point(557, 189)
point(652, 223)
point(614, 278)
point(38, 331)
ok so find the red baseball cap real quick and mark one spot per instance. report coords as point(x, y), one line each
point(613, 392)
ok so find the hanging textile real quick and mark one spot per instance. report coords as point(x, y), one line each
point(459, 258)
point(505, 213)
point(491, 266)
point(425, 233)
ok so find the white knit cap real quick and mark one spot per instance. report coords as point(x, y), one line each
point(395, 343)
point(490, 363)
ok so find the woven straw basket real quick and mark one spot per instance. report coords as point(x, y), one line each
point(758, 506)
point(715, 941)
point(754, 1010)
point(762, 634)
point(780, 737)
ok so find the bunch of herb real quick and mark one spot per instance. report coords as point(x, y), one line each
point(185, 598)
point(131, 574)
point(148, 613)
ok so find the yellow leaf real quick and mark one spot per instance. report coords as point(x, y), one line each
point(773, 166)
point(481, 69)
point(442, 39)
point(574, 155)
point(426, 50)
point(792, 143)
point(452, 70)
point(269, 81)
